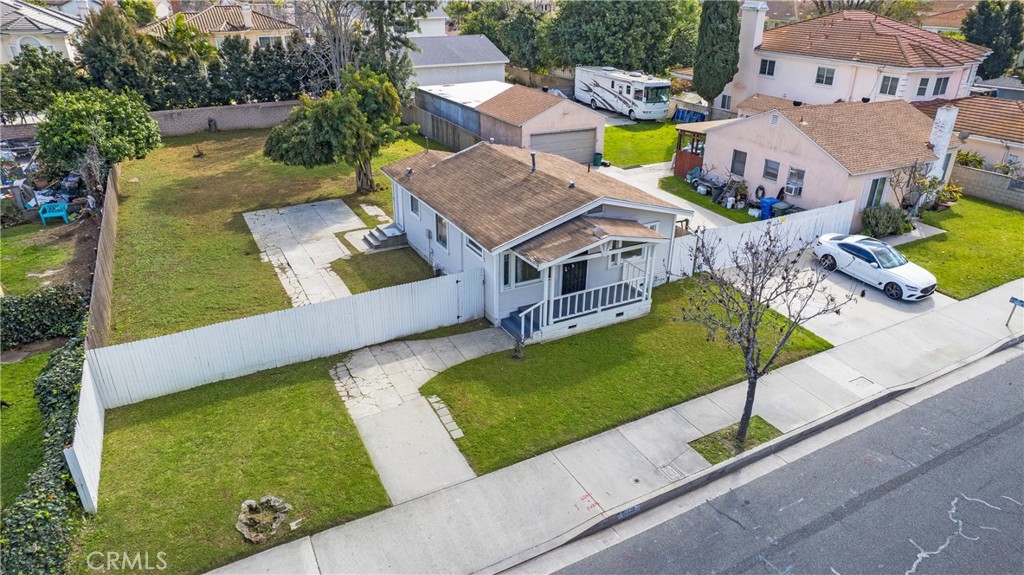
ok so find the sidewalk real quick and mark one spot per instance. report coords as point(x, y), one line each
point(495, 521)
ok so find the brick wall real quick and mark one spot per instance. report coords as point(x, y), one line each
point(989, 186)
point(192, 120)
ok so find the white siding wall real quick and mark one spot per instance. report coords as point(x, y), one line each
point(459, 74)
point(666, 227)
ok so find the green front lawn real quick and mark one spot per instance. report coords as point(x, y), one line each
point(368, 272)
point(21, 429)
point(569, 389)
point(185, 257)
point(980, 250)
point(31, 249)
point(721, 445)
point(640, 143)
point(177, 468)
point(679, 187)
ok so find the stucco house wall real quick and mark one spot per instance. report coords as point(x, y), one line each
point(433, 75)
point(429, 27)
point(994, 151)
point(10, 46)
point(566, 116)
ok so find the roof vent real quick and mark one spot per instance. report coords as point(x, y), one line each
point(964, 135)
point(572, 184)
point(635, 74)
point(491, 140)
point(533, 162)
point(608, 69)
point(797, 103)
point(408, 171)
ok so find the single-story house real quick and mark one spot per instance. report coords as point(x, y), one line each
point(433, 24)
point(221, 21)
point(993, 127)
point(518, 116)
point(817, 155)
point(23, 24)
point(1007, 88)
point(456, 60)
point(563, 249)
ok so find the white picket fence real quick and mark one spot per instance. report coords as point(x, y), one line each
point(800, 229)
point(86, 451)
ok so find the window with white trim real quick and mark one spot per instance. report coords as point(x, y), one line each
point(767, 67)
point(726, 102)
point(268, 40)
point(941, 84)
point(876, 192)
point(474, 247)
point(825, 76)
point(922, 87)
point(889, 85)
point(414, 206)
point(441, 231)
point(517, 272)
point(739, 163)
point(771, 170)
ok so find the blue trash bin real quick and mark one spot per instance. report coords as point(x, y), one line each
point(766, 207)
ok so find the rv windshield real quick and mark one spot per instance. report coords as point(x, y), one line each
point(656, 95)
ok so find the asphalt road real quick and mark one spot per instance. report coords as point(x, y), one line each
point(936, 488)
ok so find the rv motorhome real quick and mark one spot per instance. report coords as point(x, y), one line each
point(631, 93)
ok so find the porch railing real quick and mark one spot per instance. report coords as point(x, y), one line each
point(597, 299)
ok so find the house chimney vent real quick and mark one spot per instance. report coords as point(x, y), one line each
point(572, 184)
point(533, 162)
point(408, 171)
point(247, 15)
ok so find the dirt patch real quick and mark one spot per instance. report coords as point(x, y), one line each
point(83, 236)
point(29, 349)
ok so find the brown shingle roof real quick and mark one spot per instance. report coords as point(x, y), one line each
point(863, 36)
point(950, 19)
point(518, 104)
point(990, 117)
point(580, 233)
point(489, 192)
point(219, 18)
point(762, 103)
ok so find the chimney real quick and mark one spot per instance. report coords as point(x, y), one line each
point(752, 17)
point(942, 131)
point(533, 162)
point(247, 15)
point(83, 8)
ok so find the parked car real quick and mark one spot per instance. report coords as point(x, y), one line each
point(875, 263)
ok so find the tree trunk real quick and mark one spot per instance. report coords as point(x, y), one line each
point(748, 409)
point(364, 177)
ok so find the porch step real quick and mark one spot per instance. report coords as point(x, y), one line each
point(513, 323)
point(384, 236)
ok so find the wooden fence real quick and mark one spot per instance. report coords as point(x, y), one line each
point(86, 452)
point(800, 229)
point(139, 370)
point(448, 134)
point(97, 332)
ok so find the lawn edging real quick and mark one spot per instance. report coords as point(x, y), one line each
point(702, 478)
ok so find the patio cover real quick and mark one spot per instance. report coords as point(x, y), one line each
point(703, 127)
point(581, 233)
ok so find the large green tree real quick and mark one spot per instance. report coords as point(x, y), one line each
point(273, 77)
point(93, 129)
point(30, 81)
point(909, 11)
point(718, 49)
point(236, 58)
point(350, 125)
point(181, 40)
point(179, 83)
point(995, 25)
point(139, 12)
point(682, 46)
point(511, 25)
point(112, 54)
point(386, 44)
point(632, 35)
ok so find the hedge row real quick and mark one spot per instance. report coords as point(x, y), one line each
point(55, 311)
point(36, 530)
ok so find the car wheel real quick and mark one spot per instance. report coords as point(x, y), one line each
point(893, 291)
point(593, 104)
point(632, 116)
point(828, 262)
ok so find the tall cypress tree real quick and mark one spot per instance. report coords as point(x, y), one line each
point(993, 25)
point(717, 56)
point(113, 54)
point(236, 58)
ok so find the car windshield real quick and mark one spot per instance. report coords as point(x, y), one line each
point(656, 95)
point(887, 257)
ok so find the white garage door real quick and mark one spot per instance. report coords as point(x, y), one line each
point(576, 145)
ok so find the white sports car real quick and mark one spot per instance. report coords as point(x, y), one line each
point(876, 264)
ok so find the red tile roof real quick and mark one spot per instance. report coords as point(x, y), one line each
point(220, 18)
point(984, 116)
point(951, 19)
point(863, 36)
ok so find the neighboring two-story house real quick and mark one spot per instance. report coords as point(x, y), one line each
point(850, 56)
point(221, 21)
point(23, 24)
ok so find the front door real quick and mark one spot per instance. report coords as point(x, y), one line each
point(574, 277)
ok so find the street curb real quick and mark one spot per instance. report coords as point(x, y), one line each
point(672, 491)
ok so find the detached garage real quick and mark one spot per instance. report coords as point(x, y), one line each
point(518, 116)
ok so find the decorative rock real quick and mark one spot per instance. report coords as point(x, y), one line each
point(258, 521)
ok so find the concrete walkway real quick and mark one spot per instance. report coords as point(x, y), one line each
point(646, 178)
point(408, 438)
point(300, 242)
point(494, 521)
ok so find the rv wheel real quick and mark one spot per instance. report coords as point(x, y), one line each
point(593, 104)
point(632, 116)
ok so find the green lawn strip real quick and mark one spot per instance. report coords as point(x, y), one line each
point(21, 431)
point(980, 250)
point(679, 187)
point(721, 445)
point(185, 256)
point(640, 143)
point(570, 389)
point(29, 249)
point(450, 330)
point(177, 468)
point(368, 272)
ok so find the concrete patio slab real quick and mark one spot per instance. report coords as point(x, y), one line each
point(610, 469)
point(294, 557)
point(412, 451)
point(661, 437)
point(300, 242)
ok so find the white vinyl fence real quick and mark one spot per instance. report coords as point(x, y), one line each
point(85, 453)
point(800, 228)
point(139, 370)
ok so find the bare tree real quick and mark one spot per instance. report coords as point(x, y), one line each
point(736, 289)
point(337, 36)
point(905, 185)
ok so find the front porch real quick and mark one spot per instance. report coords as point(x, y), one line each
point(590, 276)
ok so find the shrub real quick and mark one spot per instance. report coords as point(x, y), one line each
point(36, 531)
point(949, 193)
point(55, 311)
point(885, 220)
point(971, 159)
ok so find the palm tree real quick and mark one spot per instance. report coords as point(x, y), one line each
point(182, 40)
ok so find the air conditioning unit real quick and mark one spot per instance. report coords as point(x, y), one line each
point(794, 189)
